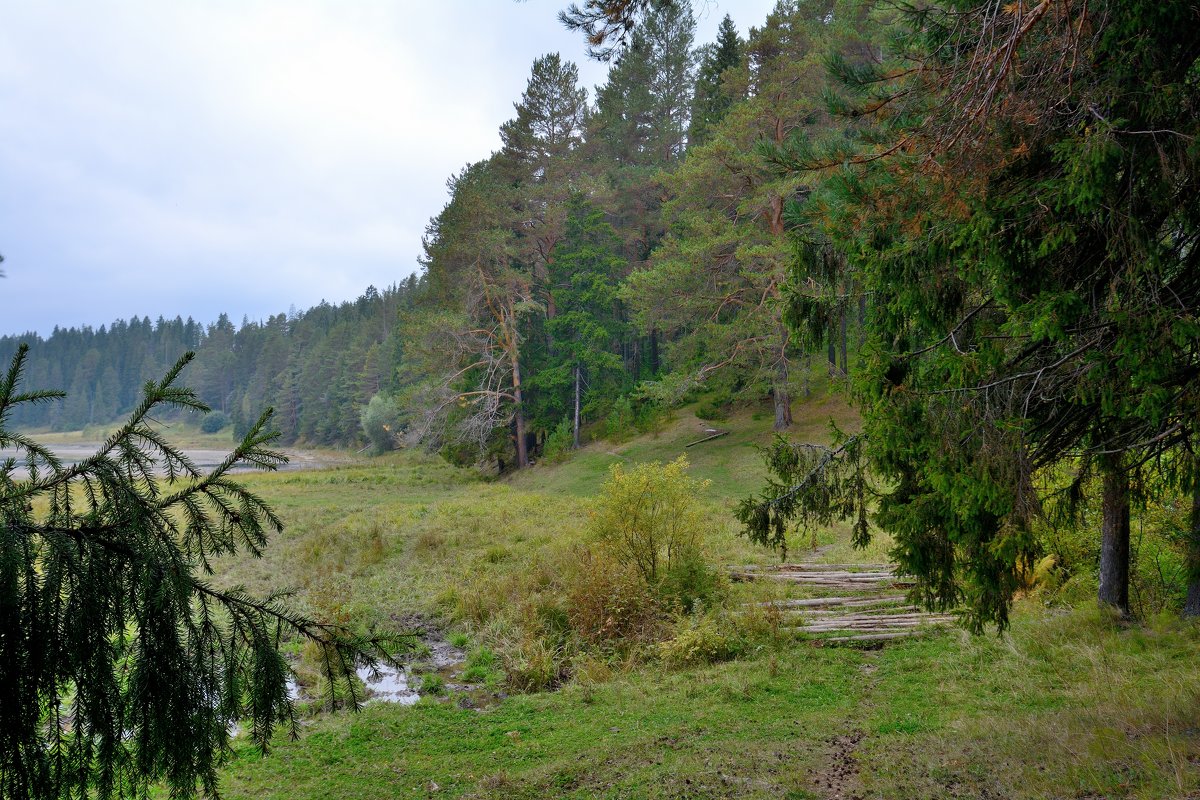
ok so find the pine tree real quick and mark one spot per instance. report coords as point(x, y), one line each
point(584, 366)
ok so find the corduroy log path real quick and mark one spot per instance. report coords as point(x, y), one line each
point(849, 603)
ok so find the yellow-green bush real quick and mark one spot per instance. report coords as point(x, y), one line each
point(702, 639)
point(651, 517)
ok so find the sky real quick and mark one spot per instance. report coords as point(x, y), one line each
point(192, 158)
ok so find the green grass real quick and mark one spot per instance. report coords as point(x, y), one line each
point(180, 433)
point(1070, 704)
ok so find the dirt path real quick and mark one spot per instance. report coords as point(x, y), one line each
point(846, 604)
point(838, 779)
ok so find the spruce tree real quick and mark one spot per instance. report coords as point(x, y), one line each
point(1025, 198)
point(121, 664)
point(712, 99)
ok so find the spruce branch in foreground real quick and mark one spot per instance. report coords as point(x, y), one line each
point(119, 665)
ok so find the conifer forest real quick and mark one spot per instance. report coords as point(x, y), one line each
point(811, 412)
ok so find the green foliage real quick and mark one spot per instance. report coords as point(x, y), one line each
point(812, 486)
point(213, 421)
point(692, 582)
point(316, 367)
point(701, 638)
point(650, 516)
point(383, 422)
point(558, 442)
point(124, 666)
point(1022, 230)
point(712, 99)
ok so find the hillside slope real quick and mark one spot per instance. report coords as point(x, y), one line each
point(1070, 704)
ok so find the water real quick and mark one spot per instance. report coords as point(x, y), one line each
point(386, 684)
point(204, 459)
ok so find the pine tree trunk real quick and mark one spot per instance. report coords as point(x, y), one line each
point(781, 393)
point(1114, 538)
point(522, 451)
point(783, 407)
point(832, 352)
point(575, 438)
point(845, 358)
point(654, 363)
point(1191, 605)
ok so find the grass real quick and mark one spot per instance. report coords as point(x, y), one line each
point(1070, 704)
point(181, 433)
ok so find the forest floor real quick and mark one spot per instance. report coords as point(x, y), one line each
point(1069, 703)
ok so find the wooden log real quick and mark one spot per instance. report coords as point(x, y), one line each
point(870, 637)
point(856, 600)
point(707, 439)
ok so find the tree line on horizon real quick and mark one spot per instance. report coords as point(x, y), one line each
point(616, 255)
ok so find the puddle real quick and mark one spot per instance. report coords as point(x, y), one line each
point(386, 684)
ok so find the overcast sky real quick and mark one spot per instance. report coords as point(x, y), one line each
point(163, 158)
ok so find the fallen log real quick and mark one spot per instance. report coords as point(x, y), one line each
point(869, 637)
point(707, 439)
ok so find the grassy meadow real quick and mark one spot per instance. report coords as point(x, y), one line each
point(1070, 703)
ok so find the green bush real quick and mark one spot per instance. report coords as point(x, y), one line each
point(213, 421)
point(382, 422)
point(692, 581)
point(701, 639)
point(559, 442)
point(621, 422)
point(650, 517)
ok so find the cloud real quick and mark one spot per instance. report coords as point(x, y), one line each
point(193, 158)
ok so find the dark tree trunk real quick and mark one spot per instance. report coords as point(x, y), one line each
point(1191, 605)
point(832, 352)
point(845, 358)
point(1114, 538)
point(654, 362)
point(575, 429)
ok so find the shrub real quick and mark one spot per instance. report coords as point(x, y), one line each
point(691, 580)
point(650, 517)
point(559, 442)
point(701, 639)
point(533, 666)
point(382, 422)
point(620, 423)
point(213, 421)
point(608, 603)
